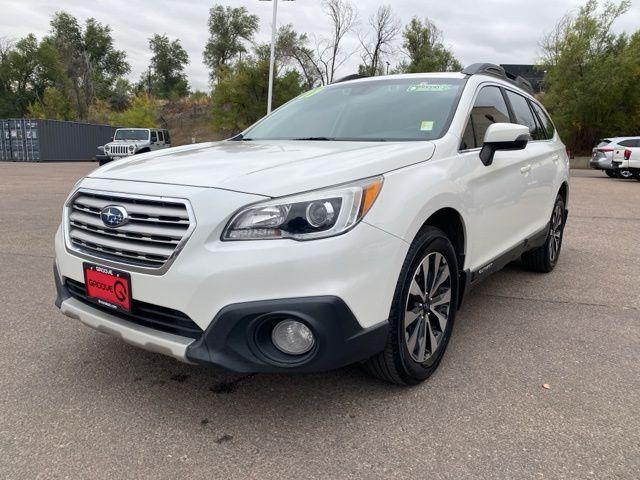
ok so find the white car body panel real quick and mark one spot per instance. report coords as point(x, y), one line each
point(632, 162)
point(501, 206)
point(273, 168)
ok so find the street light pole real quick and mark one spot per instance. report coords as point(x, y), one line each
point(272, 60)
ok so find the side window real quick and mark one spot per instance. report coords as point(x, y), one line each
point(167, 138)
point(524, 115)
point(488, 108)
point(627, 143)
point(546, 121)
point(538, 133)
point(154, 136)
point(160, 136)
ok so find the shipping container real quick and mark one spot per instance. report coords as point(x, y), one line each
point(33, 140)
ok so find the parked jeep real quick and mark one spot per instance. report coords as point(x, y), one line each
point(131, 141)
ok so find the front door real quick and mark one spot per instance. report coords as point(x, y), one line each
point(496, 192)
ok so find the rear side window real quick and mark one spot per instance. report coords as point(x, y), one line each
point(167, 138)
point(546, 121)
point(522, 112)
point(628, 143)
point(488, 108)
point(160, 136)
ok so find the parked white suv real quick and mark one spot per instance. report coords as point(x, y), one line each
point(628, 159)
point(344, 227)
point(132, 141)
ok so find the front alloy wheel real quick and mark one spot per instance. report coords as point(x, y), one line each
point(427, 307)
point(422, 312)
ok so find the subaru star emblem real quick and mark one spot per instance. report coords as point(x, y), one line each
point(114, 216)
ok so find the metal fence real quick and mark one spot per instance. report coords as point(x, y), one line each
point(32, 140)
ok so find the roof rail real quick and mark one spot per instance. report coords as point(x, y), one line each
point(355, 76)
point(498, 71)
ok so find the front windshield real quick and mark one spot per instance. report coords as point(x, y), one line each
point(131, 134)
point(383, 110)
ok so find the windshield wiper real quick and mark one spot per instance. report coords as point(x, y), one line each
point(240, 138)
point(322, 139)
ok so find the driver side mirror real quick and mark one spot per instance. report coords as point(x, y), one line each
point(503, 136)
point(111, 139)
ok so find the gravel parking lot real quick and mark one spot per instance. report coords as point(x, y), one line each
point(79, 404)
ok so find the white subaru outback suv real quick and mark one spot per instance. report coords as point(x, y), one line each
point(344, 227)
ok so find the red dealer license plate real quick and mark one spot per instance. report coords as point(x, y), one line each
point(108, 287)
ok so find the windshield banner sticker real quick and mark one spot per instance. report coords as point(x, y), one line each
point(429, 87)
point(426, 126)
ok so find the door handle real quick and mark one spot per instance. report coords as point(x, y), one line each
point(526, 169)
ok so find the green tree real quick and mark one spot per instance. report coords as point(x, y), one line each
point(143, 112)
point(169, 59)
point(292, 50)
point(53, 105)
point(592, 80)
point(229, 28)
point(27, 69)
point(91, 62)
point(423, 45)
point(240, 96)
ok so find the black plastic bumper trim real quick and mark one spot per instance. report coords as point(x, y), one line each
point(61, 291)
point(233, 340)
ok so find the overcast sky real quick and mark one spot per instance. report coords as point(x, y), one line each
point(497, 31)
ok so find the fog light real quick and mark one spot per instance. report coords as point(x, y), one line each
point(292, 337)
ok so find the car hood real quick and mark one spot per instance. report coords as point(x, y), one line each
point(270, 168)
point(125, 142)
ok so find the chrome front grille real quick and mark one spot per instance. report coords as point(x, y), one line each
point(155, 231)
point(119, 149)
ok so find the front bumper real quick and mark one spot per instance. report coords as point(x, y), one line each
point(238, 337)
point(342, 286)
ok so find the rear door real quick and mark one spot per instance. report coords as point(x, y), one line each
point(543, 169)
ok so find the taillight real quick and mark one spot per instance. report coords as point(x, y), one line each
point(627, 154)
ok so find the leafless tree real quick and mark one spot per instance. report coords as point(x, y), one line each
point(551, 42)
point(385, 29)
point(6, 45)
point(329, 52)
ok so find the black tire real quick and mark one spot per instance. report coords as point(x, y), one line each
point(395, 363)
point(543, 259)
point(610, 173)
point(626, 174)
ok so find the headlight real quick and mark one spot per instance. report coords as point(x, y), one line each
point(107, 148)
point(307, 216)
point(131, 148)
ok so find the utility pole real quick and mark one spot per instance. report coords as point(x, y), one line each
point(272, 59)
